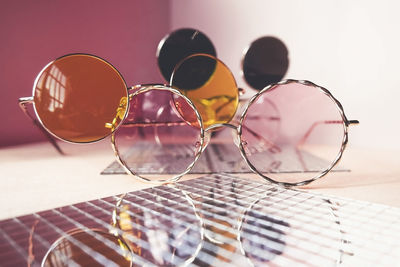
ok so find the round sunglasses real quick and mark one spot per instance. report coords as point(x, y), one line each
point(291, 132)
point(82, 98)
point(74, 97)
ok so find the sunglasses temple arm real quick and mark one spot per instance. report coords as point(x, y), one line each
point(317, 123)
point(23, 102)
point(272, 146)
point(153, 124)
point(301, 159)
point(352, 122)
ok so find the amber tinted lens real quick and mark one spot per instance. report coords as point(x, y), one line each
point(299, 139)
point(76, 95)
point(210, 85)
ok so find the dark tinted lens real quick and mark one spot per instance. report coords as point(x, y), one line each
point(180, 44)
point(266, 62)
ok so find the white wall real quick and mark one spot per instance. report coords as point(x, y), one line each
point(349, 47)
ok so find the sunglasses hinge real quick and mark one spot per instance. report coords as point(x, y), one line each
point(350, 122)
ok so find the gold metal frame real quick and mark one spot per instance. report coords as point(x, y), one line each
point(25, 101)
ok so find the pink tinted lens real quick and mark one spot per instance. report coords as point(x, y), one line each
point(293, 132)
point(154, 138)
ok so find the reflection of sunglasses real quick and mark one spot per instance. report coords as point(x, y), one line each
point(79, 97)
point(88, 247)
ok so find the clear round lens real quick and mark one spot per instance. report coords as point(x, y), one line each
point(154, 138)
point(293, 132)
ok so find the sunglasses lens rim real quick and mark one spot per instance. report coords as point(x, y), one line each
point(319, 174)
point(199, 127)
point(40, 115)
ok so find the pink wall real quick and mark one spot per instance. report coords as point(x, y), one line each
point(33, 33)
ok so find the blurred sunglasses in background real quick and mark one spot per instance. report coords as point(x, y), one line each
point(180, 44)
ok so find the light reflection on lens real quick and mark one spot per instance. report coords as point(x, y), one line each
point(76, 95)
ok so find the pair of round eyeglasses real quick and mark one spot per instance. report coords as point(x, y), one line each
point(82, 98)
point(291, 132)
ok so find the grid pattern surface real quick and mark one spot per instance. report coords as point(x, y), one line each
point(215, 220)
point(217, 158)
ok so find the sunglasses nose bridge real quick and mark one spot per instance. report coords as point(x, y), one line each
point(219, 126)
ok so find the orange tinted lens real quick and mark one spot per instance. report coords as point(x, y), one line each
point(77, 95)
point(210, 85)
